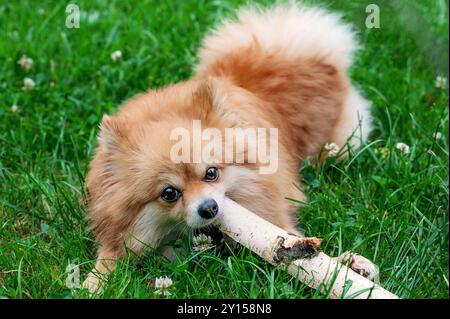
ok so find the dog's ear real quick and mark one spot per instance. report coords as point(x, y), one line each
point(111, 133)
point(111, 139)
point(209, 98)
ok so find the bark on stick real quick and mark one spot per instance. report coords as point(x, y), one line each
point(301, 257)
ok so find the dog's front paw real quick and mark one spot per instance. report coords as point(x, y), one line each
point(361, 265)
point(92, 283)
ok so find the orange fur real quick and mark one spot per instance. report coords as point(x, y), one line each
point(251, 84)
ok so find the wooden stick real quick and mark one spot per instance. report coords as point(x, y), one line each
point(301, 256)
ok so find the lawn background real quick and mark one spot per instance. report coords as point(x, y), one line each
point(388, 206)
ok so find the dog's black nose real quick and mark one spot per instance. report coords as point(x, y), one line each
point(208, 209)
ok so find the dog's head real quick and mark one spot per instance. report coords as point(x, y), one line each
point(144, 172)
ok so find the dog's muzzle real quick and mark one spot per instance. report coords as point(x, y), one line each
point(208, 209)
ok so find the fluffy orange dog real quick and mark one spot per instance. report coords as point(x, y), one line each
point(283, 67)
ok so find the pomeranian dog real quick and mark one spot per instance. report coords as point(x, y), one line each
point(284, 67)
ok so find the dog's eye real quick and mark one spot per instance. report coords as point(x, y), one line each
point(170, 194)
point(212, 174)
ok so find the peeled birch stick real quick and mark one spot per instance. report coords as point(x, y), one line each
point(301, 256)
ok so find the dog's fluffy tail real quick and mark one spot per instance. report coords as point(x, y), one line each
point(292, 29)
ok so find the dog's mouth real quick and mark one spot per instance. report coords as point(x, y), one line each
point(199, 223)
point(205, 223)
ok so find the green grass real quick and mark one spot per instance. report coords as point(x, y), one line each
point(388, 206)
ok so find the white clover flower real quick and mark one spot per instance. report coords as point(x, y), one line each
point(14, 108)
point(162, 284)
point(332, 148)
point(202, 242)
point(40, 12)
point(116, 55)
point(28, 84)
point(440, 82)
point(25, 62)
point(92, 17)
point(402, 147)
point(437, 135)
